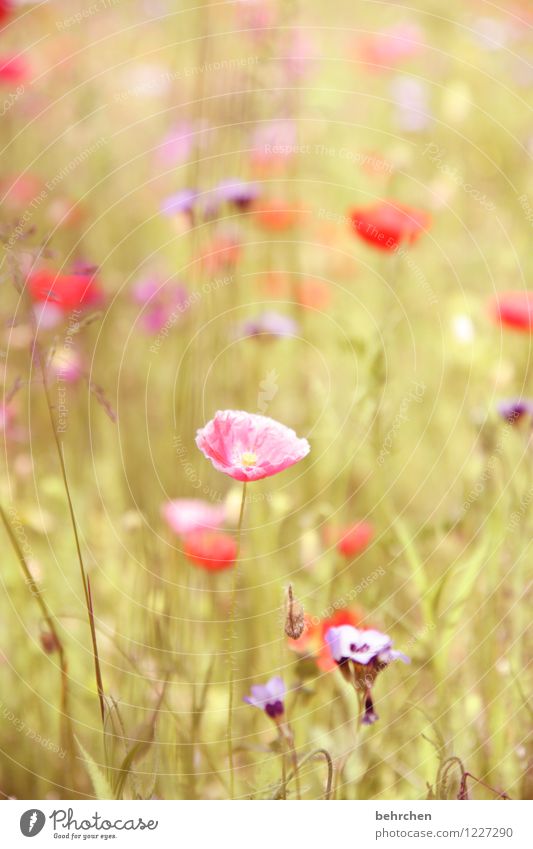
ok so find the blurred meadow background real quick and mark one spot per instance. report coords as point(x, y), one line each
point(182, 189)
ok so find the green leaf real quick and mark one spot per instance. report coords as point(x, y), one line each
point(101, 785)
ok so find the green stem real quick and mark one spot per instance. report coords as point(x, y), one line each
point(84, 578)
point(295, 766)
point(230, 656)
point(315, 753)
point(66, 720)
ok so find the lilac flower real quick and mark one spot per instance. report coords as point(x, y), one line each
point(268, 697)
point(269, 324)
point(176, 146)
point(514, 410)
point(360, 655)
point(411, 100)
point(274, 142)
point(238, 192)
point(179, 143)
point(302, 53)
point(180, 202)
point(162, 301)
point(361, 646)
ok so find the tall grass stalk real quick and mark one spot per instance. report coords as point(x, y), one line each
point(67, 734)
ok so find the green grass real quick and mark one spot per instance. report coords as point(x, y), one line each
point(450, 498)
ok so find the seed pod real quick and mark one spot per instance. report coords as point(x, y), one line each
point(48, 642)
point(294, 616)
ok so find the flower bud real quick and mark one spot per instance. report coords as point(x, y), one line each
point(294, 616)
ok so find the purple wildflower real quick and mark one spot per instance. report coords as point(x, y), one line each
point(514, 410)
point(412, 107)
point(268, 697)
point(269, 324)
point(161, 301)
point(238, 192)
point(360, 655)
point(180, 202)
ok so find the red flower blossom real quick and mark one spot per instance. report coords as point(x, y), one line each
point(389, 224)
point(354, 539)
point(277, 215)
point(222, 253)
point(514, 310)
point(313, 293)
point(18, 190)
point(6, 7)
point(211, 550)
point(309, 292)
point(389, 48)
point(312, 642)
point(14, 69)
point(66, 291)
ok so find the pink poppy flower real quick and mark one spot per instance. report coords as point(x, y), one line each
point(249, 447)
point(187, 515)
point(14, 69)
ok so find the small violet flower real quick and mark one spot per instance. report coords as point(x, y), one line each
point(515, 410)
point(268, 697)
point(269, 324)
point(181, 202)
point(361, 655)
point(161, 301)
point(237, 192)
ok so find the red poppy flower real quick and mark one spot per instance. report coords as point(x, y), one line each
point(18, 190)
point(514, 309)
point(389, 48)
point(66, 291)
point(312, 642)
point(309, 292)
point(313, 293)
point(276, 283)
point(6, 7)
point(13, 69)
point(354, 539)
point(389, 224)
point(211, 550)
point(222, 253)
point(277, 215)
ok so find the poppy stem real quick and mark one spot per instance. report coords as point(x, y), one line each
point(74, 524)
point(231, 636)
point(67, 734)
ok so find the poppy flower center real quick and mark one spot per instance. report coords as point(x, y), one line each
point(248, 458)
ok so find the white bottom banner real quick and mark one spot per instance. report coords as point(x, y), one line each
point(245, 824)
